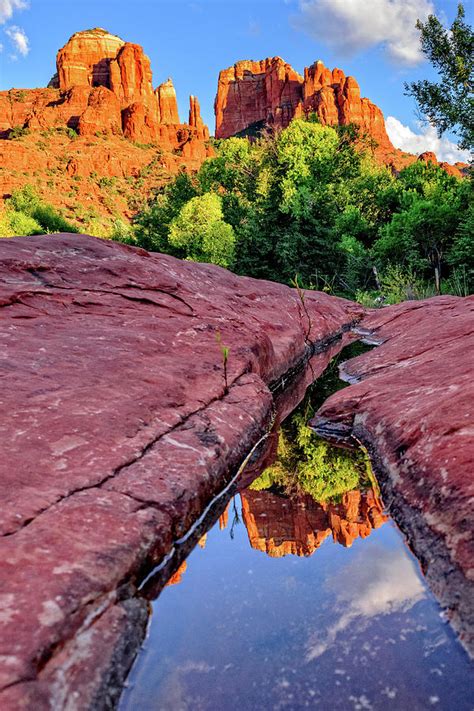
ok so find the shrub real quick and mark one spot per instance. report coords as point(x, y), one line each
point(14, 223)
point(27, 202)
point(200, 231)
point(18, 132)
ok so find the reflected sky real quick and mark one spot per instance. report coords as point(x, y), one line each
point(346, 627)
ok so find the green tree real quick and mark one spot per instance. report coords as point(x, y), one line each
point(201, 232)
point(449, 103)
point(151, 225)
point(29, 215)
point(307, 464)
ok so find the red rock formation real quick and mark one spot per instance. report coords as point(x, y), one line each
point(177, 575)
point(272, 93)
point(195, 120)
point(167, 103)
point(459, 170)
point(103, 114)
point(428, 157)
point(280, 525)
point(224, 518)
point(92, 492)
point(248, 93)
point(104, 85)
point(85, 59)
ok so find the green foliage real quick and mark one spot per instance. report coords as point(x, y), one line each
point(18, 132)
point(225, 352)
point(106, 182)
point(152, 224)
point(36, 216)
point(449, 103)
point(121, 231)
point(309, 200)
point(200, 231)
point(308, 464)
point(14, 223)
point(423, 232)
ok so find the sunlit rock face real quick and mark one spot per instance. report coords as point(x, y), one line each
point(104, 85)
point(85, 59)
point(270, 91)
point(298, 525)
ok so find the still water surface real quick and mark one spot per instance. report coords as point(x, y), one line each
point(303, 595)
point(350, 626)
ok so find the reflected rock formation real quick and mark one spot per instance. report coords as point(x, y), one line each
point(178, 574)
point(280, 525)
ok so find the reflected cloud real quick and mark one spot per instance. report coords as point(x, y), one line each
point(382, 583)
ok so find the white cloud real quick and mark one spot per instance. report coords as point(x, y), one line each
point(403, 137)
point(7, 8)
point(19, 39)
point(351, 26)
point(385, 582)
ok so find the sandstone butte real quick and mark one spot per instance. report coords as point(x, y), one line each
point(121, 428)
point(104, 84)
point(127, 129)
point(251, 95)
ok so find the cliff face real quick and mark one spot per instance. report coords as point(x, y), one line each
point(85, 60)
point(248, 93)
point(272, 93)
point(105, 85)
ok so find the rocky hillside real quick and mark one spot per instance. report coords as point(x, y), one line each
point(99, 118)
point(104, 84)
point(100, 138)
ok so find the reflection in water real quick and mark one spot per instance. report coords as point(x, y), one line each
point(351, 627)
point(345, 628)
point(392, 587)
point(280, 525)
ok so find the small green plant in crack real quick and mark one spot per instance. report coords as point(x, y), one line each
point(225, 351)
point(301, 297)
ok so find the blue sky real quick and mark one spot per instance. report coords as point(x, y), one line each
point(191, 40)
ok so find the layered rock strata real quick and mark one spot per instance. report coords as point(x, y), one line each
point(119, 428)
point(410, 404)
point(270, 93)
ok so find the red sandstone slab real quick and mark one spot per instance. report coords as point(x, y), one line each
point(411, 405)
point(105, 348)
point(118, 429)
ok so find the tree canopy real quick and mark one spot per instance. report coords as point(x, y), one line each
point(448, 103)
point(310, 201)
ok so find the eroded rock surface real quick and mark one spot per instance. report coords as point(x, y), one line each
point(118, 428)
point(270, 93)
point(411, 405)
